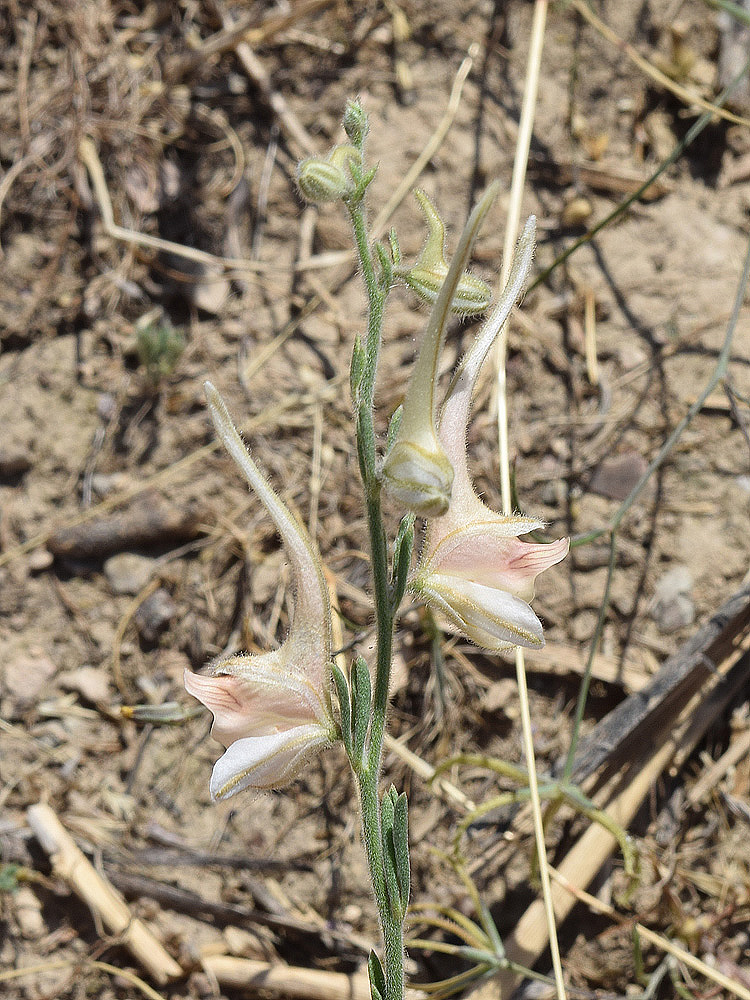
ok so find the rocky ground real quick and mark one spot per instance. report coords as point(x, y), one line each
point(130, 550)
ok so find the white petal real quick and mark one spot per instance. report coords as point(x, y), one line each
point(492, 618)
point(264, 762)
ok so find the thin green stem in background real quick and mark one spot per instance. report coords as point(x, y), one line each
point(722, 363)
point(690, 136)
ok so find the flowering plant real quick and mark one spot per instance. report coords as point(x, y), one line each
point(272, 711)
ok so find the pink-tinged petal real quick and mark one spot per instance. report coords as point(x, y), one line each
point(233, 717)
point(265, 762)
point(492, 618)
point(448, 535)
point(256, 703)
point(480, 552)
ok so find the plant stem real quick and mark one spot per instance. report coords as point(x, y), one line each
point(369, 772)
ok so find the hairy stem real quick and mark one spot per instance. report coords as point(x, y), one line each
point(369, 773)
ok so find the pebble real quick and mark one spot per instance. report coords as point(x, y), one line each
point(28, 913)
point(24, 676)
point(92, 683)
point(672, 606)
point(39, 560)
point(128, 573)
point(155, 614)
point(617, 476)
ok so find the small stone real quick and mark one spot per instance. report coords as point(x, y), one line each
point(90, 682)
point(672, 606)
point(617, 476)
point(499, 696)
point(583, 625)
point(103, 483)
point(24, 676)
point(39, 560)
point(155, 614)
point(128, 573)
point(28, 912)
point(631, 356)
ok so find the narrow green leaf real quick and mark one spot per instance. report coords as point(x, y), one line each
point(402, 551)
point(377, 976)
point(361, 703)
point(345, 707)
point(356, 368)
point(401, 848)
point(393, 427)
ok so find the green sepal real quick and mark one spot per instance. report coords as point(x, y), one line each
point(366, 448)
point(402, 551)
point(401, 849)
point(361, 705)
point(393, 426)
point(386, 266)
point(377, 976)
point(395, 247)
point(345, 706)
point(361, 184)
point(472, 295)
point(357, 367)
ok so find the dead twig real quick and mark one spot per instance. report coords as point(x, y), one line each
point(70, 864)
point(286, 980)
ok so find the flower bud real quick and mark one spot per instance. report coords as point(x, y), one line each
point(355, 122)
point(417, 470)
point(419, 477)
point(328, 179)
point(426, 277)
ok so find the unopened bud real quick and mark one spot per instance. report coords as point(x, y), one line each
point(328, 179)
point(421, 478)
point(471, 295)
point(355, 122)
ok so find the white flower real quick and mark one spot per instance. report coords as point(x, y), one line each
point(473, 568)
point(272, 711)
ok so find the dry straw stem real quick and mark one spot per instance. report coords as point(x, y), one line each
point(673, 740)
point(520, 163)
point(739, 748)
point(254, 68)
point(285, 980)
point(90, 159)
point(243, 32)
point(69, 863)
point(75, 966)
